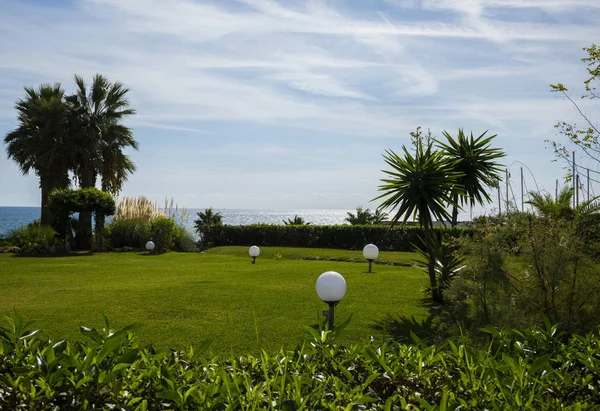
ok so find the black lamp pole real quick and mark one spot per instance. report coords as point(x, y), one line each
point(330, 312)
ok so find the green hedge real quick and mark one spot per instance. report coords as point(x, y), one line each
point(334, 236)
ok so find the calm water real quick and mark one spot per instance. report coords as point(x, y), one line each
point(15, 217)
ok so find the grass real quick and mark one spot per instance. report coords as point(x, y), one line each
point(181, 299)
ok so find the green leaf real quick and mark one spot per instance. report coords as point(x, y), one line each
point(170, 395)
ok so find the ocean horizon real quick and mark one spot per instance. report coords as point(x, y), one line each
point(13, 217)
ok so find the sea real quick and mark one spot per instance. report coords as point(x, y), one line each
point(15, 217)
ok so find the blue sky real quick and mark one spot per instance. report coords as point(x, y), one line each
point(289, 104)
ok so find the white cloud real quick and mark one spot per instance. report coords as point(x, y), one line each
point(315, 67)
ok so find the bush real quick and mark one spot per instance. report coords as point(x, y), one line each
point(33, 237)
point(538, 368)
point(128, 232)
point(162, 231)
point(183, 241)
point(335, 236)
point(552, 278)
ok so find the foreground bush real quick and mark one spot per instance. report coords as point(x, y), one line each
point(532, 369)
point(34, 237)
point(319, 236)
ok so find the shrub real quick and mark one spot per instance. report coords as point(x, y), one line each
point(552, 278)
point(163, 231)
point(33, 237)
point(183, 241)
point(128, 232)
point(537, 368)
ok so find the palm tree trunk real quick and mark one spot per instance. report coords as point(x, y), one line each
point(99, 243)
point(84, 232)
point(435, 292)
point(455, 211)
point(46, 187)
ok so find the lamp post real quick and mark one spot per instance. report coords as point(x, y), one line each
point(150, 246)
point(371, 252)
point(331, 288)
point(254, 252)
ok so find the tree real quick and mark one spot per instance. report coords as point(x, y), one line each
point(99, 138)
point(40, 142)
point(207, 218)
point(475, 160)
point(421, 185)
point(586, 139)
point(297, 220)
point(366, 216)
point(208, 226)
point(561, 208)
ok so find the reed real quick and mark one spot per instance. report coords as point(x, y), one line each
point(171, 210)
point(137, 208)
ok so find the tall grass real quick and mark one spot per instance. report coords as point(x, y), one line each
point(137, 208)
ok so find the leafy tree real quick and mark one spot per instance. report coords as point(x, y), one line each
point(420, 186)
point(585, 138)
point(99, 137)
point(40, 143)
point(297, 220)
point(475, 160)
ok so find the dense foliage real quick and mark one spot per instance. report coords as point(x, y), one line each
point(532, 369)
point(531, 268)
point(319, 236)
point(162, 230)
point(64, 202)
point(131, 226)
point(34, 237)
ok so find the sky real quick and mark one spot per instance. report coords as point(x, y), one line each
point(291, 104)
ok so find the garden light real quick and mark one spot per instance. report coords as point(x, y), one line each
point(371, 252)
point(331, 288)
point(254, 252)
point(149, 246)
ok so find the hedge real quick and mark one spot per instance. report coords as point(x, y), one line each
point(348, 237)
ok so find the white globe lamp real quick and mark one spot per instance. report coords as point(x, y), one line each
point(254, 252)
point(371, 252)
point(150, 246)
point(331, 288)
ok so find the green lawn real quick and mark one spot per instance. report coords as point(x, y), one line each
point(181, 299)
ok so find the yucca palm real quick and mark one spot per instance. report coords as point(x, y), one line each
point(420, 186)
point(40, 142)
point(99, 139)
point(475, 160)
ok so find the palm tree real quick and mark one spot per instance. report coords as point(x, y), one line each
point(39, 143)
point(379, 216)
point(207, 218)
point(99, 139)
point(421, 186)
point(362, 216)
point(474, 159)
point(297, 220)
point(560, 208)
